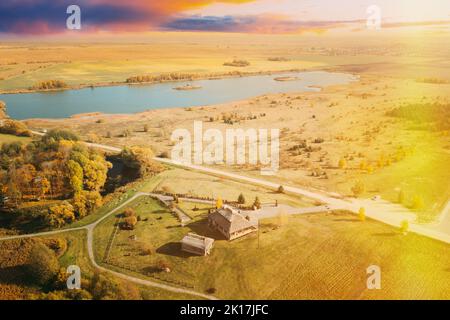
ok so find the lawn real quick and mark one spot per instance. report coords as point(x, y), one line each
point(14, 283)
point(322, 256)
point(182, 181)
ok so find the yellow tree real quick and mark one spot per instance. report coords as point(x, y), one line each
point(342, 163)
point(44, 186)
point(219, 203)
point(362, 214)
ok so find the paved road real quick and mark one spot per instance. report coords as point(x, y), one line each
point(383, 211)
point(90, 245)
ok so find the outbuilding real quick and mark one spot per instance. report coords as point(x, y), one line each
point(195, 244)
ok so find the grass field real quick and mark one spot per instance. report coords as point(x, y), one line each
point(7, 138)
point(14, 283)
point(322, 256)
point(183, 181)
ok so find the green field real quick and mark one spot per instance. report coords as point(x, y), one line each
point(183, 181)
point(14, 283)
point(7, 138)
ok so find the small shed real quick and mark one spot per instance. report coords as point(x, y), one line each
point(195, 244)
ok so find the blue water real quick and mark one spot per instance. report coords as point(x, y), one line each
point(136, 98)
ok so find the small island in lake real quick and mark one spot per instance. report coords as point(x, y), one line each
point(286, 79)
point(187, 87)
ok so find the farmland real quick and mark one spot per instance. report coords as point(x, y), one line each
point(322, 256)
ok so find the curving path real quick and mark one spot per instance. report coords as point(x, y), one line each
point(383, 211)
point(90, 246)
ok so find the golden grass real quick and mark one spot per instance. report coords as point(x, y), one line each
point(322, 256)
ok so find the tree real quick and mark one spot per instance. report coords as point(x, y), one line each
point(104, 287)
point(358, 188)
point(140, 159)
point(79, 204)
point(401, 197)
point(129, 212)
point(404, 227)
point(280, 189)
point(219, 203)
point(362, 214)
point(241, 199)
point(257, 203)
point(75, 176)
point(59, 215)
point(129, 223)
point(163, 265)
point(417, 203)
point(363, 165)
point(43, 265)
point(14, 127)
point(44, 187)
point(342, 163)
point(58, 135)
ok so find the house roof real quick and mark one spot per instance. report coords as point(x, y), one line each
point(230, 219)
point(197, 241)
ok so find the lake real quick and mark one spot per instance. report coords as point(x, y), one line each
point(137, 98)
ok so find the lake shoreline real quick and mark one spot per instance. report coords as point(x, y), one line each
point(124, 83)
point(162, 95)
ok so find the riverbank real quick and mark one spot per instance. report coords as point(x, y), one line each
point(331, 124)
point(225, 75)
point(144, 96)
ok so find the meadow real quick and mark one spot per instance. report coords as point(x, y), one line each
point(322, 256)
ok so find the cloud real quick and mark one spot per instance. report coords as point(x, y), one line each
point(252, 23)
point(49, 16)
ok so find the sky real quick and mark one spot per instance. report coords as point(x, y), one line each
point(37, 17)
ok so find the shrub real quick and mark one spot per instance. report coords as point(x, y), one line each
point(319, 140)
point(237, 63)
point(129, 223)
point(404, 226)
point(14, 127)
point(342, 163)
point(49, 84)
point(59, 215)
point(362, 214)
point(163, 265)
point(280, 189)
point(241, 199)
point(211, 290)
point(58, 135)
point(417, 203)
point(147, 249)
point(164, 155)
point(129, 212)
point(219, 203)
point(257, 203)
point(358, 188)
